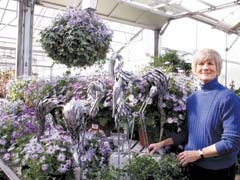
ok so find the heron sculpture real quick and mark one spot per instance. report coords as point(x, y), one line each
point(158, 84)
point(121, 111)
point(76, 113)
point(123, 82)
point(156, 87)
point(44, 106)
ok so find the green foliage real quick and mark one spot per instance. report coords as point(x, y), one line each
point(3, 176)
point(105, 173)
point(147, 167)
point(28, 90)
point(142, 168)
point(104, 119)
point(171, 62)
point(170, 169)
point(78, 38)
point(31, 90)
point(233, 87)
point(7, 128)
point(15, 89)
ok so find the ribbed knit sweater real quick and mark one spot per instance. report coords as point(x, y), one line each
point(214, 118)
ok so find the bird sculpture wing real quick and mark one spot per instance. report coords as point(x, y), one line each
point(75, 113)
point(96, 91)
point(43, 107)
point(115, 64)
point(157, 83)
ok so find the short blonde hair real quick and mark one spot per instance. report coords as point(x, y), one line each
point(204, 55)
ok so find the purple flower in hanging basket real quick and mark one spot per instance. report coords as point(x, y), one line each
point(77, 38)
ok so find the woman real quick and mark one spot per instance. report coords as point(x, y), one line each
point(213, 124)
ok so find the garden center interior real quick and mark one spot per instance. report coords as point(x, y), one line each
point(141, 30)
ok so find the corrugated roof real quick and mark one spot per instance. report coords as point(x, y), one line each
point(150, 14)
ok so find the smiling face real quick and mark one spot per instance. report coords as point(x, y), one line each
point(206, 65)
point(206, 71)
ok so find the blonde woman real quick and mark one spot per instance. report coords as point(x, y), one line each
point(212, 137)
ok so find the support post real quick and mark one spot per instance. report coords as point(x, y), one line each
point(24, 39)
point(156, 42)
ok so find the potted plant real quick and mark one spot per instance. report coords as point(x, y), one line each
point(147, 167)
point(170, 168)
point(142, 168)
point(78, 38)
point(170, 61)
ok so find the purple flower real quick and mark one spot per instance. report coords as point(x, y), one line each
point(35, 156)
point(61, 157)
point(3, 142)
point(68, 163)
point(62, 168)
point(88, 155)
point(6, 156)
point(105, 148)
point(45, 167)
point(86, 38)
point(51, 149)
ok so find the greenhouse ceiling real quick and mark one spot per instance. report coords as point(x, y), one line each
point(152, 14)
point(223, 15)
point(149, 14)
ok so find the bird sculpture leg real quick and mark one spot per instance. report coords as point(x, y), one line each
point(142, 121)
point(162, 115)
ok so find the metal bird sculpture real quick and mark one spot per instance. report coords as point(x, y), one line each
point(76, 114)
point(121, 112)
point(158, 84)
point(123, 82)
point(96, 92)
point(44, 106)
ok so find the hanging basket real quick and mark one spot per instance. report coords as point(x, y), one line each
point(78, 38)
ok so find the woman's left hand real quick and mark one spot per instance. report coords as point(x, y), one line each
point(187, 157)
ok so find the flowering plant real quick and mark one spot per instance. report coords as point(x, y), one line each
point(35, 158)
point(92, 153)
point(171, 115)
point(47, 159)
point(78, 38)
point(174, 102)
point(17, 124)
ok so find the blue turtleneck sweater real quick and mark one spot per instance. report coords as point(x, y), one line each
point(214, 118)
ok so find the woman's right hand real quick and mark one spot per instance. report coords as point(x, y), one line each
point(152, 148)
